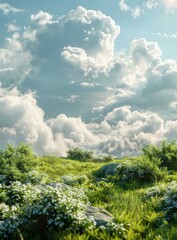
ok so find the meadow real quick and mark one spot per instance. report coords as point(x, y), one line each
point(45, 197)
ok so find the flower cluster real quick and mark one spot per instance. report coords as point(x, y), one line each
point(167, 199)
point(62, 207)
point(156, 191)
point(9, 220)
point(117, 229)
point(59, 206)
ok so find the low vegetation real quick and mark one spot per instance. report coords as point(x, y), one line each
point(46, 197)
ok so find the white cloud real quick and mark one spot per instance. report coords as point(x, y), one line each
point(145, 81)
point(126, 100)
point(12, 27)
point(123, 6)
point(123, 131)
point(67, 47)
point(97, 53)
point(150, 4)
point(41, 18)
point(135, 11)
point(22, 120)
point(15, 62)
point(7, 8)
point(166, 35)
point(74, 131)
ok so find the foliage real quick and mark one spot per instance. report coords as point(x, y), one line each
point(105, 158)
point(80, 155)
point(16, 162)
point(141, 170)
point(72, 180)
point(167, 199)
point(38, 207)
point(58, 206)
point(87, 156)
point(164, 156)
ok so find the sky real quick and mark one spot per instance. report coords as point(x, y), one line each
point(99, 75)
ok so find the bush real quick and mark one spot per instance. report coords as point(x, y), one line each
point(16, 162)
point(106, 158)
point(164, 156)
point(80, 155)
point(41, 207)
point(141, 170)
point(74, 180)
point(167, 199)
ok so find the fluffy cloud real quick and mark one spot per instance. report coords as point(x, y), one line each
point(124, 100)
point(7, 8)
point(11, 27)
point(82, 41)
point(74, 131)
point(41, 18)
point(22, 120)
point(15, 62)
point(122, 131)
point(145, 81)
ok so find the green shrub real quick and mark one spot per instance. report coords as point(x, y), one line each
point(16, 162)
point(141, 170)
point(164, 156)
point(106, 158)
point(43, 207)
point(74, 180)
point(167, 199)
point(80, 155)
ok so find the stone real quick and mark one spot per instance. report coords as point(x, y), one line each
point(106, 170)
point(101, 216)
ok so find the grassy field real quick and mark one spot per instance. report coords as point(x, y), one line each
point(141, 196)
point(125, 203)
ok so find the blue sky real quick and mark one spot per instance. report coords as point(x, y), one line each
point(100, 75)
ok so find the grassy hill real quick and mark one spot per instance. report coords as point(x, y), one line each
point(141, 195)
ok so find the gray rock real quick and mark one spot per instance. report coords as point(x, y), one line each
point(101, 216)
point(106, 170)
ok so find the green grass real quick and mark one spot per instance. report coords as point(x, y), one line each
point(55, 167)
point(125, 203)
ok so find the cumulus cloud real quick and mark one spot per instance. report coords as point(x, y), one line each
point(12, 27)
point(7, 8)
point(123, 131)
point(83, 41)
point(15, 62)
point(124, 100)
point(41, 18)
point(146, 81)
point(22, 120)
